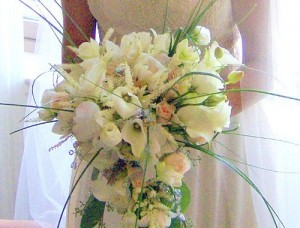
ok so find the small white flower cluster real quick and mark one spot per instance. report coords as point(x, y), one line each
point(133, 96)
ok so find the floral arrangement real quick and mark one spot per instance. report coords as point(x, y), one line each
point(136, 109)
point(140, 112)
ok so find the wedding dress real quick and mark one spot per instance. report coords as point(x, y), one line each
point(220, 198)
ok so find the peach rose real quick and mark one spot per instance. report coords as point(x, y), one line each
point(164, 112)
point(179, 161)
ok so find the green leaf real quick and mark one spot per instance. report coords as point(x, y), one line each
point(92, 213)
point(175, 223)
point(95, 174)
point(185, 197)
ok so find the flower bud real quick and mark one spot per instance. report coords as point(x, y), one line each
point(219, 52)
point(214, 100)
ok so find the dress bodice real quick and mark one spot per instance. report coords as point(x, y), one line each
point(126, 16)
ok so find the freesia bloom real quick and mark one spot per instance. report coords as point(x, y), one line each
point(217, 58)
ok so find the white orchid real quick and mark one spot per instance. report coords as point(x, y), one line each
point(117, 193)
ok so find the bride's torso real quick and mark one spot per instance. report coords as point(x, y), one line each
point(126, 16)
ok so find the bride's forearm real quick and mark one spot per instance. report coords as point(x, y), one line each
point(79, 25)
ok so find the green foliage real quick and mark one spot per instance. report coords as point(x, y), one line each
point(92, 213)
point(185, 197)
point(176, 223)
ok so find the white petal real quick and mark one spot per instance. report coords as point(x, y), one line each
point(135, 137)
point(125, 109)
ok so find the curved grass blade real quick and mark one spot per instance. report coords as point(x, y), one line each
point(75, 185)
point(222, 159)
point(147, 151)
point(264, 138)
point(34, 125)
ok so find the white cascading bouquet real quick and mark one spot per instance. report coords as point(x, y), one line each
point(136, 109)
point(139, 112)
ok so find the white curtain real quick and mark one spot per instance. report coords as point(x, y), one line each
point(45, 174)
point(12, 90)
point(278, 118)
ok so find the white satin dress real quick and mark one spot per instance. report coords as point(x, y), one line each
point(220, 198)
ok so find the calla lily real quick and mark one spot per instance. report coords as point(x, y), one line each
point(110, 134)
point(133, 132)
point(125, 103)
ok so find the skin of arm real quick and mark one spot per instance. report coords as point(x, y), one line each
point(257, 48)
point(79, 11)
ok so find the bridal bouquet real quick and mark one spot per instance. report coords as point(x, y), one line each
point(140, 111)
point(136, 109)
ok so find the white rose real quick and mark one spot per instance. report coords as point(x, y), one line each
point(202, 121)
